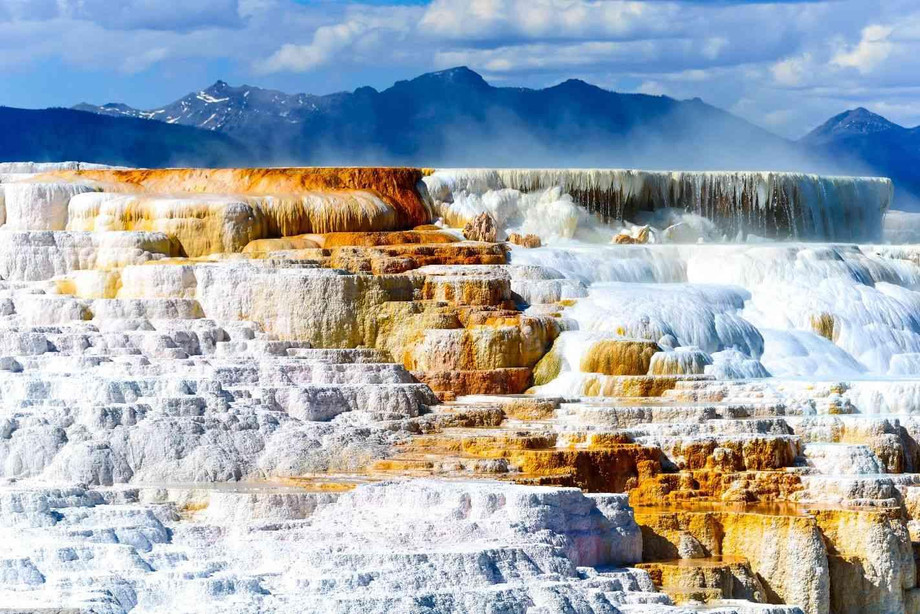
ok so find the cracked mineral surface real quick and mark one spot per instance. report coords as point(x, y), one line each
point(306, 390)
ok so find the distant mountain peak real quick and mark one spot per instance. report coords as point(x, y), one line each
point(865, 143)
point(459, 75)
point(112, 109)
point(118, 106)
point(863, 119)
point(577, 84)
point(220, 105)
point(222, 87)
point(853, 122)
point(456, 72)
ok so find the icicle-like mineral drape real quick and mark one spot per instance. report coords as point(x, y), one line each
point(768, 204)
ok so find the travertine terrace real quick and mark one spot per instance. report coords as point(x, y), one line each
point(305, 390)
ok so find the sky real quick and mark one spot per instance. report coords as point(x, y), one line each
point(786, 66)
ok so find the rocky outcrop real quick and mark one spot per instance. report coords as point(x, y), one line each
point(481, 228)
point(529, 240)
point(786, 552)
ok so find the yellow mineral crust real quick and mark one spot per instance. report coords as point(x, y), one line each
point(548, 368)
point(707, 579)
point(447, 384)
point(825, 324)
point(718, 485)
point(619, 357)
point(479, 348)
point(467, 289)
point(314, 484)
point(538, 459)
point(844, 561)
point(679, 363)
point(733, 455)
point(334, 240)
point(376, 239)
point(616, 468)
point(786, 551)
point(389, 259)
point(206, 224)
point(262, 247)
point(628, 386)
point(203, 225)
point(91, 284)
point(530, 409)
point(494, 358)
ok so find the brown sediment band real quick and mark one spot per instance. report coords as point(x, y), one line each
point(396, 186)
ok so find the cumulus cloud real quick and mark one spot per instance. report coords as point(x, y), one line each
point(134, 36)
point(793, 71)
point(361, 32)
point(873, 49)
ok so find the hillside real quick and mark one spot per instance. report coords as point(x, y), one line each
point(868, 142)
point(64, 134)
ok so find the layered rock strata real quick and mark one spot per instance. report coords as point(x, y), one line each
point(285, 390)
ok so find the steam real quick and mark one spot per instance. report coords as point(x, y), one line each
point(690, 138)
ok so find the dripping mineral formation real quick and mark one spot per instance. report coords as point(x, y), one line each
point(307, 390)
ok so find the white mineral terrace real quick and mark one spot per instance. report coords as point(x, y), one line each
point(259, 400)
point(787, 205)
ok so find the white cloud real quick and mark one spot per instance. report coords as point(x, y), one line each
point(714, 46)
point(327, 41)
point(545, 19)
point(793, 71)
point(652, 88)
point(74, 33)
point(361, 32)
point(873, 49)
point(138, 63)
point(548, 57)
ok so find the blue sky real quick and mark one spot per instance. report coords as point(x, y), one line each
point(786, 66)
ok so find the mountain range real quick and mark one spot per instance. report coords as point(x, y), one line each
point(455, 118)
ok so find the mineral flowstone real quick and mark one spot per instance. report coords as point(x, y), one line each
point(304, 390)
